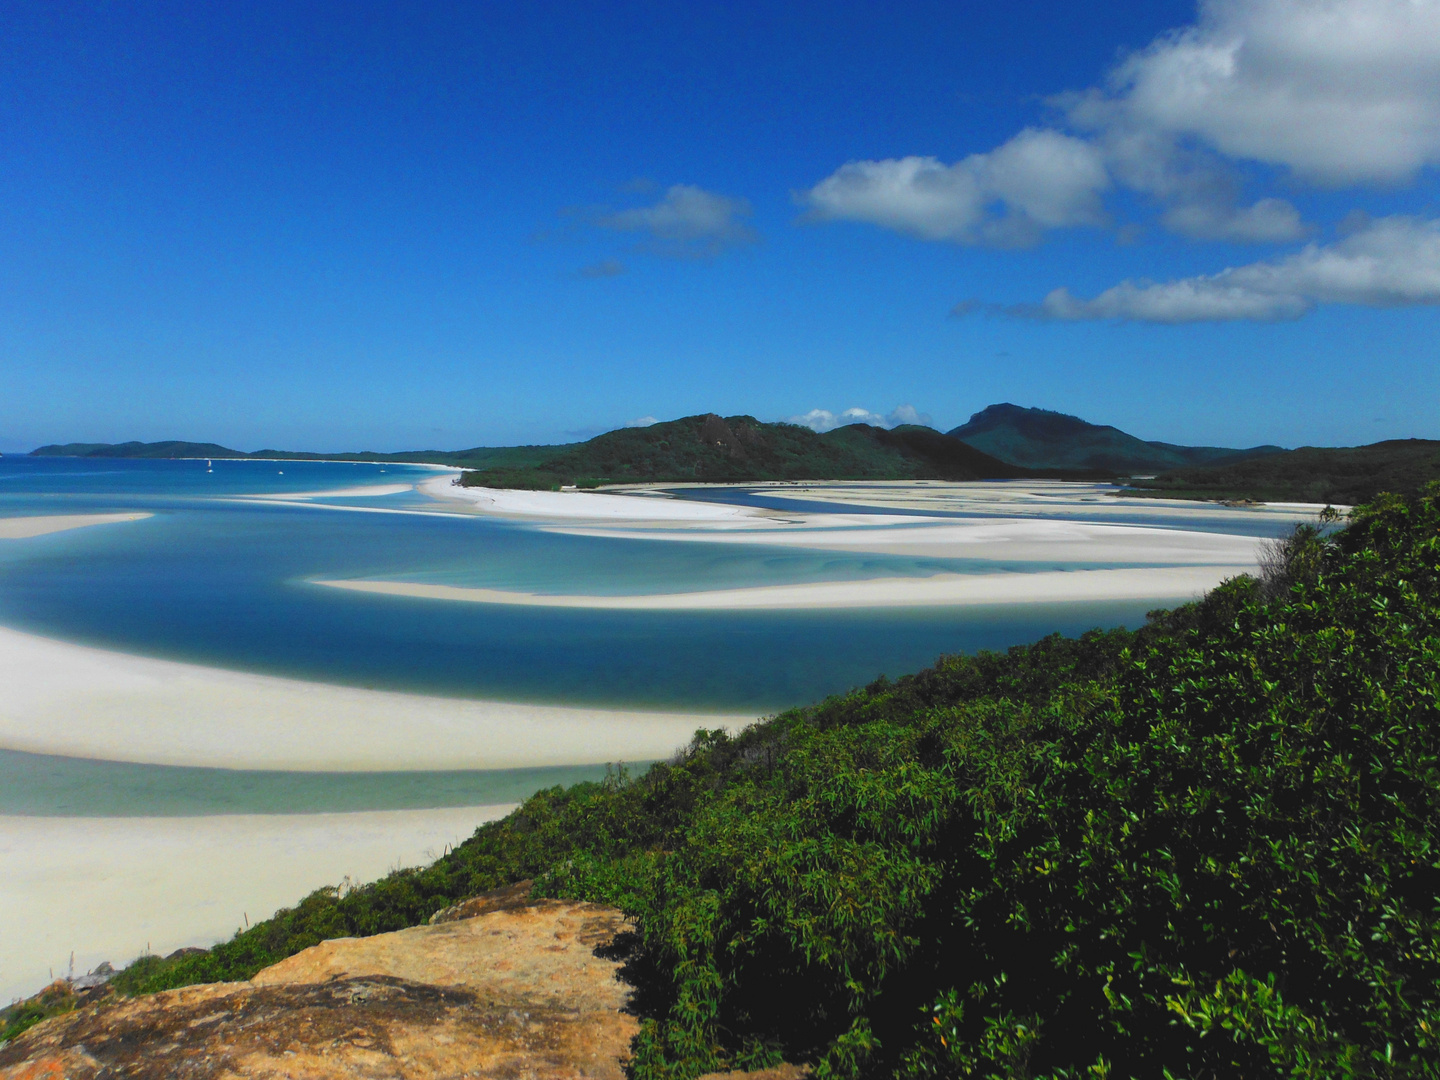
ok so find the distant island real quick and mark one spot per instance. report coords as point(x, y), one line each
point(1000, 442)
point(1041, 439)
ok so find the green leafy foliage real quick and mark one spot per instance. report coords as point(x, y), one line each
point(1207, 848)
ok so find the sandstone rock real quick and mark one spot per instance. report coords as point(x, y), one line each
point(517, 992)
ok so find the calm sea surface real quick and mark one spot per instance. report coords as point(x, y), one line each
point(226, 582)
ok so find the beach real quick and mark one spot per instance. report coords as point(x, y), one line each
point(944, 590)
point(75, 701)
point(110, 889)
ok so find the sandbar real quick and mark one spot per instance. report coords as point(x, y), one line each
point(111, 888)
point(22, 528)
point(75, 701)
point(591, 505)
point(941, 590)
point(995, 539)
point(363, 491)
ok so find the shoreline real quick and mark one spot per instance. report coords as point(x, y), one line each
point(942, 590)
point(114, 888)
point(73, 700)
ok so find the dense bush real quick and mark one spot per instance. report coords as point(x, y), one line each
point(1208, 848)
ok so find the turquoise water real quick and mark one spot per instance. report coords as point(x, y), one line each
point(217, 579)
point(45, 786)
point(229, 584)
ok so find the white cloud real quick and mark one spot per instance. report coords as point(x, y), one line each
point(642, 421)
point(1335, 91)
point(823, 420)
point(1039, 179)
point(1390, 262)
point(1340, 91)
point(686, 221)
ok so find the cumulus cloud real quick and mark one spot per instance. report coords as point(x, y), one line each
point(1389, 262)
point(1039, 179)
point(687, 221)
point(1339, 91)
point(1335, 91)
point(823, 420)
point(642, 421)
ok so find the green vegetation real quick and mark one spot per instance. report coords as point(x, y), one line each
point(1041, 439)
point(741, 448)
point(1338, 475)
point(1206, 848)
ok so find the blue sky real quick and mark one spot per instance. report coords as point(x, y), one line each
point(394, 226)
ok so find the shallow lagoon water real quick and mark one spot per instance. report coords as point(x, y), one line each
point(228, 584)
point(218, 579)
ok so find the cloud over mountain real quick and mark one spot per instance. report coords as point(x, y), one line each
point(823, 420)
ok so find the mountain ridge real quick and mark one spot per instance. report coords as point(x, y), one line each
point(1046, 439)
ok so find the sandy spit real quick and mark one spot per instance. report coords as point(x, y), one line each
point(585, 505)
point(61, 698)
point(22, 528)
point(109, 888)
point(941, 590)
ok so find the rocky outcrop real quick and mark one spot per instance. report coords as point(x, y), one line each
point(516, 989)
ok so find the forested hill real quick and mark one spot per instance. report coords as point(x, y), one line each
point(1041, 439)
point(1343, 475)
point(741, 448)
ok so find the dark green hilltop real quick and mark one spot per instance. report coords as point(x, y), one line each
point(1001, 442)
point(718, 449)
point(1041, 439)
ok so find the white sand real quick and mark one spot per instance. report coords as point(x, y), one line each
point(1009, 497)
point(941, 590)
point(67, 699)
point(599, 506)
point(22, 528)
point(365, 491)
point(994, 539)
point(109, 888)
